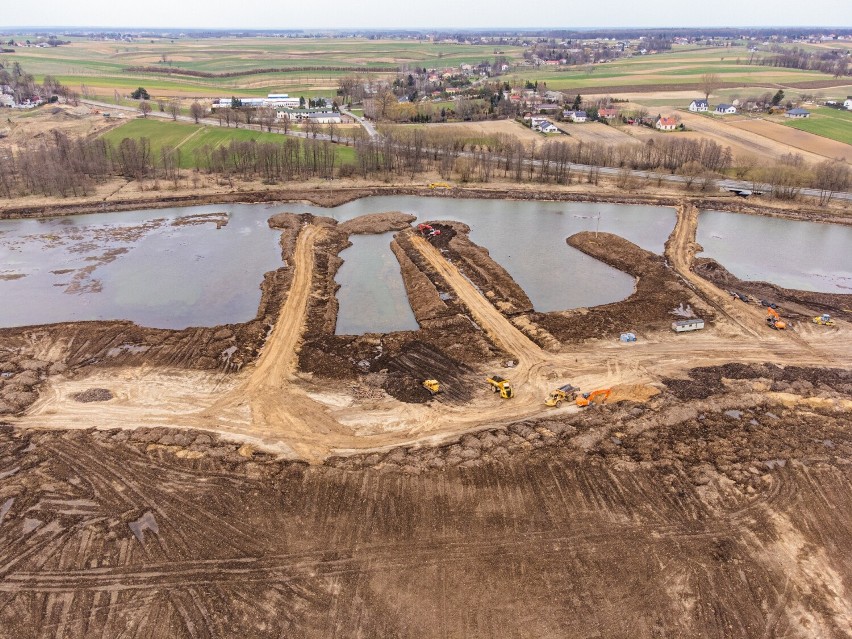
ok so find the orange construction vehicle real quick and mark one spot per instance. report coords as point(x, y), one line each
point(773, 319)
point(595, 397)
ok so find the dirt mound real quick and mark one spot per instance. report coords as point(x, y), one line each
point(93, 395)
point(377, 223)
point(658, 292)
point(632, 393)
point(418, 361)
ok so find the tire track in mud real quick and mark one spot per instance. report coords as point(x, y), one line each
point(369, 559)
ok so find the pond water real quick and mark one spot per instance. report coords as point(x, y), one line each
point(139, 266)
point(807, 256)
point(371, 289)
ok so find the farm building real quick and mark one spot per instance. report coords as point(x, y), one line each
point(797, 113)
point(698, 106)
point(666, 124)
point(726, 109)
point(682, 326)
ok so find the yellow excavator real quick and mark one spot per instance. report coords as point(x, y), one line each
point(439, 185)
point(432, 385)
point(773, 320)
point(502, 386)
point(595, 397)
point(565, 393)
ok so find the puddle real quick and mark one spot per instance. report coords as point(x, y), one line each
point(145, 522)
point(736, 414)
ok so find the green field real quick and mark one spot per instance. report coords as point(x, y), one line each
point(190, 137)
point(101, 65)
point(829, 123)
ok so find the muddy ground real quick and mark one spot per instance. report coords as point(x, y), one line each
point(794, 304)
point(659, 292)
point(684, 517)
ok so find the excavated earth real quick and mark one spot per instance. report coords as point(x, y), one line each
point(712, 504)
point(687, 516)
point(795, 304)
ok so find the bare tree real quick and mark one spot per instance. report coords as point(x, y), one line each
point(174, 108)
point(830, 177)
point(144, 108)
point(196, 111)
point(709, 83)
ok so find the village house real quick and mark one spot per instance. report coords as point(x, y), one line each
point(797, 113)
point(546, 127)
point(698, 106)
point(726, 109)
point(575, 116)
point(848, 103)
point(666, 124)
point(6, 100)
point(607, 113)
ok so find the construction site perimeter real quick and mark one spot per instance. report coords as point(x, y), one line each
point(311, 486)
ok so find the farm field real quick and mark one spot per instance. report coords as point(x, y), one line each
point(597, 132)
point(802, 141)
point(828, 123)
point(189, 138)
point(737, 133)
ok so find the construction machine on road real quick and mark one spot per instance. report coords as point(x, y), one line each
point(773, 320)
point(824, 320)
point(567, 393)
point(595, 397)
point(502, 386)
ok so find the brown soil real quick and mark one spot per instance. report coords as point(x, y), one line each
point(712, 517)
point(378, 223)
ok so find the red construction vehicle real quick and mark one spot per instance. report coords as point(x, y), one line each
point(428, 231)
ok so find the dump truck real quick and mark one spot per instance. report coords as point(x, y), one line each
point(824, 320)
point(595, 397)
point(432, 385)
point(501, 385)
point(773, 320)
point(567, 393)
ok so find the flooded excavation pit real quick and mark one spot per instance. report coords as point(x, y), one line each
point(805, 256)
point(372, 294)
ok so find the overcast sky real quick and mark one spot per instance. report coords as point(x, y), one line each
point(462, 14)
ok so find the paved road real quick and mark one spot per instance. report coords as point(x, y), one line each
point(744, 185)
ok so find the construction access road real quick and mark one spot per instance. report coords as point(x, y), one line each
point(269, 404)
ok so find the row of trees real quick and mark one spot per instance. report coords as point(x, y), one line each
point(61, 166)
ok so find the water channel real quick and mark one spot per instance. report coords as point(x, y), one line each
point(140, 266)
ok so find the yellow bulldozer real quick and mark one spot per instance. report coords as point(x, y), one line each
point(565, 393)
point(432, 385)
point(595, 397)
point(502, 386)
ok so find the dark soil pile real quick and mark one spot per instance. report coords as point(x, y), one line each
point(658, 292)
point(93, 395)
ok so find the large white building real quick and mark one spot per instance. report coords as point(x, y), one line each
point(273, 100)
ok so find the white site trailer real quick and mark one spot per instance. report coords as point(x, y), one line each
point(682, 326)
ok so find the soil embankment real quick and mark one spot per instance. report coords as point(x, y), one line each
point(802, 305)
point(660, 296)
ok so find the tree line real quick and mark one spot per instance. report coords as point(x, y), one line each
point(62, 166)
